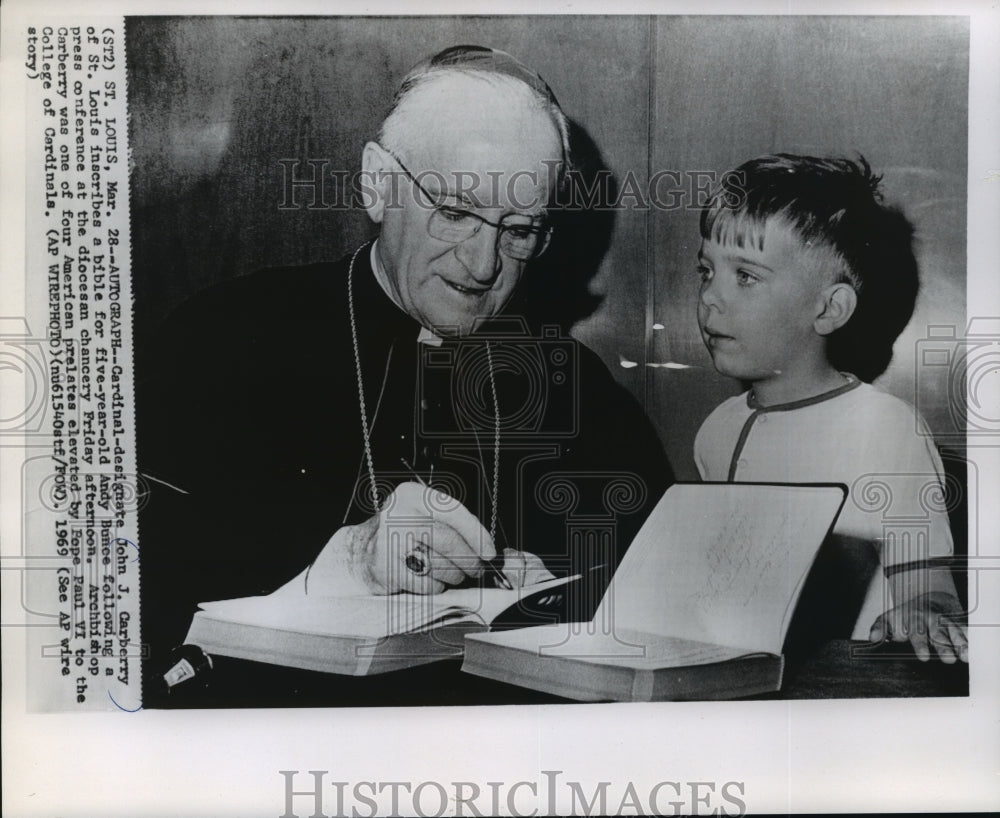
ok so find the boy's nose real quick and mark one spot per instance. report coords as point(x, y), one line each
point(709, 295)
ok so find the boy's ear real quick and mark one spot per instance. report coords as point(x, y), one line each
point(376, 177)
point(837, 305)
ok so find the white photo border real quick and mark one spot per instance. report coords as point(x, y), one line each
point(853, 755)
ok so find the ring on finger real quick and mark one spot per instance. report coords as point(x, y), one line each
point(418, 560)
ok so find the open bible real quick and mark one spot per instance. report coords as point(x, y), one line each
point(698, 609)
point(357, 635)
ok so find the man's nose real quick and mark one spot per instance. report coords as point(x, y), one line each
point(480, 254)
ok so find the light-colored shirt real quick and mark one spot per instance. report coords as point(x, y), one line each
point(875, 444)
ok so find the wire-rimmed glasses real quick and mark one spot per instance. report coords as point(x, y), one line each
point(518, 241)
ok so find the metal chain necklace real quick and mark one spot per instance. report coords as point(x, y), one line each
point(366, 431)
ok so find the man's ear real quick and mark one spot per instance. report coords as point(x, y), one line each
point(837, 305)
point(376, 166)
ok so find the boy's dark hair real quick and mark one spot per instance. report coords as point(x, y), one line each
point(835, 203)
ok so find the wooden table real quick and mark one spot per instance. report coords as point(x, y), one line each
point(842, 669)
point(837, 669)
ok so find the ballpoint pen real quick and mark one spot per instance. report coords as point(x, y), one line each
point(492, 568)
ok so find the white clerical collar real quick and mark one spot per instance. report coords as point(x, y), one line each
point(425, 336)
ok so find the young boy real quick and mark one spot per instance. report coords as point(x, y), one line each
point(807, 279)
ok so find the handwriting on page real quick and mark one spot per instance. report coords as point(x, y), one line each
point(740, 564)
point(731, 566)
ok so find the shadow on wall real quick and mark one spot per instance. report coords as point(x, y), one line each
point(557, 288)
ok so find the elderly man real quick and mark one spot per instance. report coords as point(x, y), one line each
point(381, 418)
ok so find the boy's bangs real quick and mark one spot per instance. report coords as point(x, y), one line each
point(725, 226)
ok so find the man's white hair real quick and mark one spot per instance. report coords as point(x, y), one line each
point(403, 129)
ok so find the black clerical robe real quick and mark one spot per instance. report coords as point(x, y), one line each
point(250, 436)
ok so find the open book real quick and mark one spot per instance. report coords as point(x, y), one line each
point(698, 609)
point(356, 635)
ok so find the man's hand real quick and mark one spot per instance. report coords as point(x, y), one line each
point(929, 620)
point(421, 541)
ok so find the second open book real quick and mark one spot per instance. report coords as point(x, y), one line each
point(698, 609)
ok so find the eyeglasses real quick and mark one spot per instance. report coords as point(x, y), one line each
point(521, 242)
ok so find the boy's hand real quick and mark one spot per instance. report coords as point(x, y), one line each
point(933, 619)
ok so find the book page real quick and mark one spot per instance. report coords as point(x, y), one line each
point(722, 563)
point(366, 616)
point(289, 608)
point(489, 603)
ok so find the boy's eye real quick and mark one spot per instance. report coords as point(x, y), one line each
point(704, 273)
point(745, 278)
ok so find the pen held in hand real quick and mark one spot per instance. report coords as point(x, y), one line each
point(498, 576)
point(492, 568)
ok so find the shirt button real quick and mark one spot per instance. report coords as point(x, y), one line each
point(763, 418)
point(741, 463)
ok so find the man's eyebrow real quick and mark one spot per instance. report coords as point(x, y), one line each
point(535, 214)
point(465, 203)
point(440, 195)
point(447, 198)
